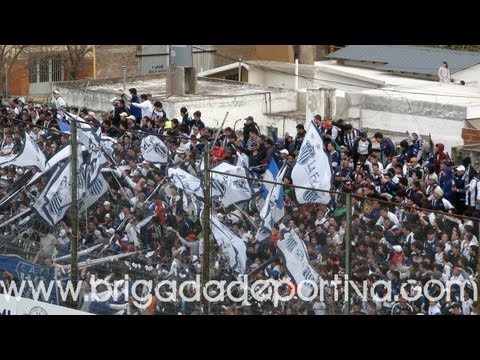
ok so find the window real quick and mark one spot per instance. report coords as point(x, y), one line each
point(48, 69)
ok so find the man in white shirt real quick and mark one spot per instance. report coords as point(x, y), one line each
point(59, 103)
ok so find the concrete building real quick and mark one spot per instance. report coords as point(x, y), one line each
point(381, 100)
point(411, 61)
point(368, 96)
point(37, 67)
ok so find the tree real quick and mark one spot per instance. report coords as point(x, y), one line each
point(75, 57)
point(8, 55)
point(459, 47)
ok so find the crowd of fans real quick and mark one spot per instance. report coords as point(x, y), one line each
point(406, 202)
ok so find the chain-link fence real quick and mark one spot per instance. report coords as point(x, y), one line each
point(170, 238)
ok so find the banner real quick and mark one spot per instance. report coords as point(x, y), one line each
point(154, 149)
point(312, 170)
point(23, 270)
point(25, 306)
point(297, 263)
point(232, 245)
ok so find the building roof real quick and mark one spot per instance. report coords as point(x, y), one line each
point(408, 58)
point(223, 68)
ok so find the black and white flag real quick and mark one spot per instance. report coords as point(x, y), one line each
point(154, 149)
point(232, 246)
point(55, 199)
point(28, 156)
point(297, 263)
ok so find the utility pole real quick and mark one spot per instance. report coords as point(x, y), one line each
point(124, 76)
point(206, 227)
point(74, 209)
point(348, 245)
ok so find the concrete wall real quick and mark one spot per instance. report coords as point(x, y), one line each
point(213, 109)
point(443, 131)
point(257, 105)
point(93, 100)
point(286, 124)
point(444, 122)
point(315, 103)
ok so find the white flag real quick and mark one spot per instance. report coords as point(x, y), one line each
point(183, 180)
point(231, 189)
point(297, 262)
point(242, 160)
point(232, 245)
point(30, 155)
point(55, 159)
point(154, 149)
point(312, 170)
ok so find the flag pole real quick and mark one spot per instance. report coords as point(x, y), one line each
point(74, 211)
point(348, 245)
point(206, 227)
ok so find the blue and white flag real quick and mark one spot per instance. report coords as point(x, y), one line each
point(153, 149)
point(64, 125)
point(273, 210)
point(312, 170)
point(232, 245)
point(56, 198)
point(269, 175)
point(296, 262)
point(30, 155)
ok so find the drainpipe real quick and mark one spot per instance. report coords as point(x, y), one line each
point(296, 74)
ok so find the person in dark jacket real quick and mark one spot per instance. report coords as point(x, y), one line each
point(386, 146)
point(248, 126)
point(135, 111)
